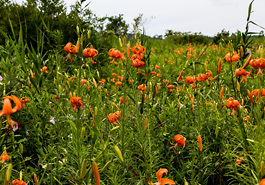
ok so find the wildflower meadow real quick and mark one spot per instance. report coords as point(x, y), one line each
point(117, 110)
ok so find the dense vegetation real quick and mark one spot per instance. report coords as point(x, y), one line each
point(86, 101)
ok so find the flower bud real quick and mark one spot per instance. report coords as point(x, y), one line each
point(120, 41)
point(77, 29)
point(106, 166)
point(118, 153)
point(36, 179)
point(20, 147)
point(96, 173)
point(89, 34)
point(83, 130)
point(116, 107)
point(83, 169)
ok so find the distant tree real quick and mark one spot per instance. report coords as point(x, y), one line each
point(118, 25)
point(224, 35)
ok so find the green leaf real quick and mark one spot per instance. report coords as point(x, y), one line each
point(249, 10)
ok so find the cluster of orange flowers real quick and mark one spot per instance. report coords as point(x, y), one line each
point(76, 102)
point(142, 87)
point(234, 58)
point(232, 104)
point(17, 182)
point(87, 52)
point(45, 68)
point(113, 117)
point(202, 77)
point(138, 56)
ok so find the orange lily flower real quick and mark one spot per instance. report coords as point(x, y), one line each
point(241, 72)
point(70, 49)
point(44, 69)
point(115, 54)
point(255, 93)
point(190, 79)
point(170, 87)
point(262, 182)
point(102, 81)
point(4, 157)
point(83, 81)
point(76, 102)
point(138, 49)
point(232, 104)
point(113, 117)
point(180, 140)
point(118, 83)
point(17, 182)
point(162, 181)
point(142, 87)
point(157, 67)
point(137, 63)
point(235, 57)
point(90, 52)
point(24, 101)
point(7, 108)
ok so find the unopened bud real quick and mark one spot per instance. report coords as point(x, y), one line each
point(83, 169)
point(96, 173)
point(116, 107)
point(118, 153)
point(120, 42)
point(241, 51)
point(89, 34)
point(20, 147)
point(77, 29)
point(36, 179)
point(83, 130)
point(106, 166)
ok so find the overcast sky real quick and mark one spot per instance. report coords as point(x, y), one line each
point(206, 16)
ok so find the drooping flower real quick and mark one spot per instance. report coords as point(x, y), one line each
point(90, 52)
point(83, 81)
point(256, 92)
point(180, 140)
point(235, 57)
point(241, 72)
point(137, 49)
point(190, 79)
point(76, 102)
point(4, 157)
point(232, 104)
point(44, 69)
point(113, 117)
point(115, 54)
point(70, 49)
point(142, 87)
point(162, 181)
point(7, 109)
